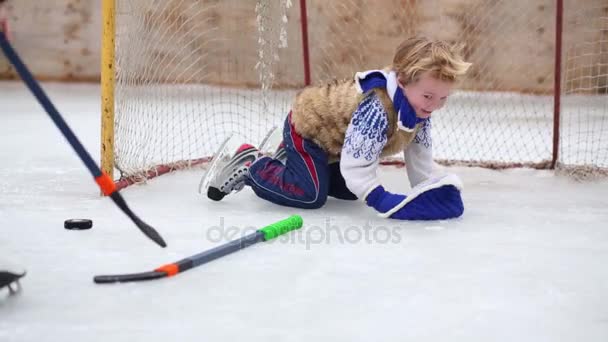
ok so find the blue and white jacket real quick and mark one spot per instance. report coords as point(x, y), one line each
point(367, 134)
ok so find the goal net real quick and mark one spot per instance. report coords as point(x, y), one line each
point(189, 73)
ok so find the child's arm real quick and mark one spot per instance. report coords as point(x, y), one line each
point(365, 138)
point(419, 155)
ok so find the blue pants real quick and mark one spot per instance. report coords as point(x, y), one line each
point(306, 178)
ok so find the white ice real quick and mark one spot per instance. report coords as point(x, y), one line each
point(526, 262)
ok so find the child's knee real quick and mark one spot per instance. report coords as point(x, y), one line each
point(315, 203)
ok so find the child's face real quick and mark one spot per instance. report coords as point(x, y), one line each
point(427, 94)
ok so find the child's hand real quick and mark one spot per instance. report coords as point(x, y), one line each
point(382, 200)
point(435, 204)
point(434, 199)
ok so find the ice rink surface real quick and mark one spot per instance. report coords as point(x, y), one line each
point(526, 262)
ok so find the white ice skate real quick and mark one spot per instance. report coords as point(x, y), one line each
point(227, 172)
point(10, 279)
point(231, 178)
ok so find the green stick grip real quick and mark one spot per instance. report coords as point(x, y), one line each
point(272, 231)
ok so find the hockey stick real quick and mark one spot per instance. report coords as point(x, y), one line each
point(106, 184)
point(267, 233)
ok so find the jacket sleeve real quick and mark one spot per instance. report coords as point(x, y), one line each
point(365, 138)
point(419, 155)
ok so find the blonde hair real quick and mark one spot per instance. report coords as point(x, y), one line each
point(419, 54)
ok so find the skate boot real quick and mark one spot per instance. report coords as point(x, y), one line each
point(10, 279)
point(232, 176)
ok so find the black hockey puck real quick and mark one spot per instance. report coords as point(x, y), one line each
point(78, 224)
point(215, 193)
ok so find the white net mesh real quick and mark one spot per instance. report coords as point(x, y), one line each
point(186, 79)
point(190, 72)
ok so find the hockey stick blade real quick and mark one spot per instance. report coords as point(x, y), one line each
point(123, 278)
point(143, 226)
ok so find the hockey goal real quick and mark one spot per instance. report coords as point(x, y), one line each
point(180, 75)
